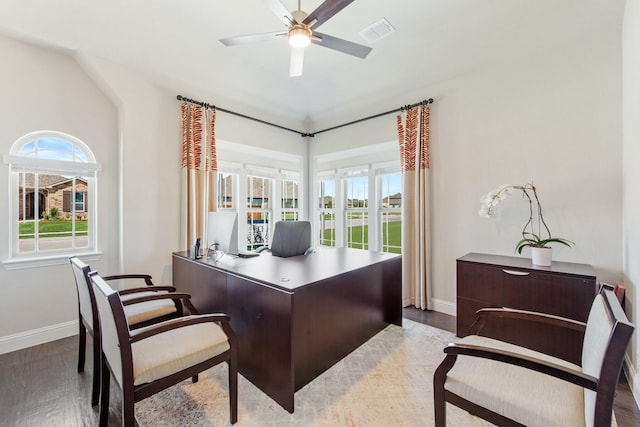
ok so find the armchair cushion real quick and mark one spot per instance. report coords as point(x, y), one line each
point(516, 392)
point(168, 352)
point(141, 312)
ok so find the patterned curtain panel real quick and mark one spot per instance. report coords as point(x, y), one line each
point(199, 172)
point(413, 136)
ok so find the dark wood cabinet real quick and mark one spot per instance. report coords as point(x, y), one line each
point(563, 289)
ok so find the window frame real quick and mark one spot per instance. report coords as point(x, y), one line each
point(86, 167)
point(373, 209)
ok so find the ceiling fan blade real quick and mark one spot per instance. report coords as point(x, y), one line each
point(297, 58)
point(325, 11)
point(341, 45)
point(253, 38)
point(281, 12)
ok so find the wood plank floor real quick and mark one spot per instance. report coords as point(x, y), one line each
point(40, 386)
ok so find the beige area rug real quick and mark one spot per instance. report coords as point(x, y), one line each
point(385, 382)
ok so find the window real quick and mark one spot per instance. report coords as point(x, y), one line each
point(260, 195)
point(356, 211)
point(52, 199)
point(258, 211)
point(289, 198)
point(327, 211)
point(226, 190)
point(346, 214)
point(390, 211)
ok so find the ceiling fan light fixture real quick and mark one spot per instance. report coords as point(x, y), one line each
point(299, 36)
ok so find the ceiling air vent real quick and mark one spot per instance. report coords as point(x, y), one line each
point(377, 30)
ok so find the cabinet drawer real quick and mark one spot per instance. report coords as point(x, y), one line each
point(480, 282)
point(555, 294)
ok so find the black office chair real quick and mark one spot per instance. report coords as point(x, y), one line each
point(290, 238)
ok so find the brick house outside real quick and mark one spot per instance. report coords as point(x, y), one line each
point(54, 191)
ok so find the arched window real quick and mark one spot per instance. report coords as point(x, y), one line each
point(52, 197)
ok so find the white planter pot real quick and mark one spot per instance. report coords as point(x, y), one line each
point(541, 256)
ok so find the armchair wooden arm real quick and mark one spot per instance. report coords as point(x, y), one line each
point(483, 376)
point(147, 278)
point(564, 373)
point(155, 297)
point(181, 322)
point(186, 298)
point(147, 289)
point(484, 314)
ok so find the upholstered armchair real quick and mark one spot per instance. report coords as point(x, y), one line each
point(510, 385)
point(148, 360)
point(138, 315)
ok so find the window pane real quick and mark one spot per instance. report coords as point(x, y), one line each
point(390, 212)
point(357, 230)
point(327, 198)
point(259, 213)
point(392, 232)
point(357, 217)
point(391, 191)
point(289, 194)
point(55, 149)
point(257, 229)
point(28, 149)
point(28, 206)
point(357, 192)
point(289, 202)
point(258, 191)
point(327, 214)
point(327, 227)
point(225, 190)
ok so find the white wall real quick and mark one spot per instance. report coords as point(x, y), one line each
point(131, 120)
point(44, 90)
point(555, 120)
point(631, 177)
point(151, 151)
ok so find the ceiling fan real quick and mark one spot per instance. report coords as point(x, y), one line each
point(301, 32)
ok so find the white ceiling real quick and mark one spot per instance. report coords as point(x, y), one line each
point(434, 40)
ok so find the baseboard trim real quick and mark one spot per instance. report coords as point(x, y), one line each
point(633, 378)
point(442, 306)
point(38, 336)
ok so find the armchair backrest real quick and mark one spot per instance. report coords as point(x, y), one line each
point(113, 326)
point(85, 293)
point(606, 337)
point(291, 238)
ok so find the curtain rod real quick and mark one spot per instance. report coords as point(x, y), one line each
point(304, 134)
point(204, 104)
point(404, 107)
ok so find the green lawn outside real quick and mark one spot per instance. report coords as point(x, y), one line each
point(52, 229)
point(357, 233)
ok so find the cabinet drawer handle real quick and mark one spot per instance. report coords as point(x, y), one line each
point(516, 273)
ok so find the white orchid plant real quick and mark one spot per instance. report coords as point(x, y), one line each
point(532, 232)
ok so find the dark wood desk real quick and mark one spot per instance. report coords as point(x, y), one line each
point(296, 317)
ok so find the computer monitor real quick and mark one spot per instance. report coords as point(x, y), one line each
point(222, 228)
